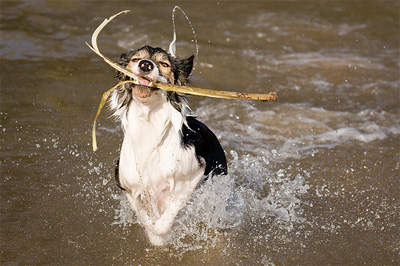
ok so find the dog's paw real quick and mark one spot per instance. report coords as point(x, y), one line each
point(156, 240)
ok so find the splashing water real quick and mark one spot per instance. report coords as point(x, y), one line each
point(222, 208)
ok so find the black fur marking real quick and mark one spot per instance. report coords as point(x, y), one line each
point(117, 175)
point(182, 69)
point(206, 146)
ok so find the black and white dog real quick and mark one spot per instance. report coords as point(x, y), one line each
point(166, 151)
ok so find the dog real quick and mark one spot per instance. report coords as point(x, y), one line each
point(166, 152)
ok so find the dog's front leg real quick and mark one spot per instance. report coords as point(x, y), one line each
point(162, 225)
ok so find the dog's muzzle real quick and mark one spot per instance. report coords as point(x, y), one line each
point(146, 66)
point(148, 72)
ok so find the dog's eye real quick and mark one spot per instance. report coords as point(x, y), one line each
point(135, 59)
point(164, 64)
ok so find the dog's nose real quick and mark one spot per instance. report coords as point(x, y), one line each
point(146, 65)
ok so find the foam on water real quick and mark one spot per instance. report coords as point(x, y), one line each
point(270, 132)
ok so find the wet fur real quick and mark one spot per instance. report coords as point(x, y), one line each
point(166, 151)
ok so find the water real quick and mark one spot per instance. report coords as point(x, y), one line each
point(313, 177)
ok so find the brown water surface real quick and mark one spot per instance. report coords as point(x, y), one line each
point(313, 177)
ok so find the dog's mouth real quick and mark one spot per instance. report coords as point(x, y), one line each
point(144, 81)
point(143, 89)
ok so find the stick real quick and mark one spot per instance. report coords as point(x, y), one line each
point(101, 105)
point(170, 87)
point(217, 94)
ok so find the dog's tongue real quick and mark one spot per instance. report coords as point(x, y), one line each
point(144, 82)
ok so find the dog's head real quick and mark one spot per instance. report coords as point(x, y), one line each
point(155, 65)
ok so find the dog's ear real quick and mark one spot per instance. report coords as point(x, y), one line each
point(184, 68)
point(186, 65)
point(124, 59)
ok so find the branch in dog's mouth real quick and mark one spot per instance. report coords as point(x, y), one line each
point(169, 87)
point(140, 81)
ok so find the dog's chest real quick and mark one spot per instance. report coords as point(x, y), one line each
point(152, 155)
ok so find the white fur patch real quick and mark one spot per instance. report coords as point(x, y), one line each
point(158, 173)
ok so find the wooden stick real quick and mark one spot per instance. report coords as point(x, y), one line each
point(217, 94)
point(101, 105)
point(170, 87)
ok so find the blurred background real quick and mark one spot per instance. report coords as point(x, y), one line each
point(313, 177)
